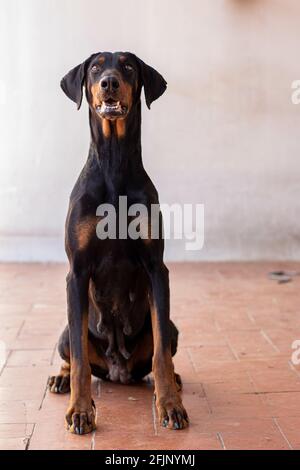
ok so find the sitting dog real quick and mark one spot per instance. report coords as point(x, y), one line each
point(119, 327)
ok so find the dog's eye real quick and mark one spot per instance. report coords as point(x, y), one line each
point(128, 67)
point(95, 69)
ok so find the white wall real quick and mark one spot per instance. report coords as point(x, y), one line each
point(225, 134)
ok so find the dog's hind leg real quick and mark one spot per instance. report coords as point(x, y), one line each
point(174, 342)
point(60, 383)
point(140, 362)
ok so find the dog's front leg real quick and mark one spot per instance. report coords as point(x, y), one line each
point(80, 417)
point(168, 400)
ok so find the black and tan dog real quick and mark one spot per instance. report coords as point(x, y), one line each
point(117, 289)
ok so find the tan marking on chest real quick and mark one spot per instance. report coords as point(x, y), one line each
point(85, 230)
point(106, 128)
point(120, 128)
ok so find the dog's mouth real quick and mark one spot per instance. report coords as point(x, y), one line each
point(111, 109)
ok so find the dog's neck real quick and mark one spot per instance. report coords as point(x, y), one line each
point(118, 140)
point(117, 147)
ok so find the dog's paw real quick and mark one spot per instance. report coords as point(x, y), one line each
point(80, 420)
point(172, 413)
point(59, 383)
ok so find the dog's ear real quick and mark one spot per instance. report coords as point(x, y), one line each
point(153, 82)
point(73, 82)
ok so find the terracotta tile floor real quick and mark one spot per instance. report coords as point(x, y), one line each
point(240, 387)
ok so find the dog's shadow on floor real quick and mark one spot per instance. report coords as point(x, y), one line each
point(131, 408)
point(104, 391)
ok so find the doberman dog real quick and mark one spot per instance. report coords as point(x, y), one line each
point(119, 327)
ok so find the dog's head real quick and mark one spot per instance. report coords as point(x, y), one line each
point(113, 83)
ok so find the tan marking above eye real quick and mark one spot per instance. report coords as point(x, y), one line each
point(101, 60)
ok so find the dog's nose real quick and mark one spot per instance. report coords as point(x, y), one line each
point(109, 83)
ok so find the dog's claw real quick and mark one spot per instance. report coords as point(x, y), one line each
point(59, 383)
point(173, 416)
point(81, 422)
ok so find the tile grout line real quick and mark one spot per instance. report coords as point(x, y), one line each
point(53, 354)
point(44, 395)
point(282, 433)
point(98, 393)
point(25, 410)
point(266, 337)
point(191, 359)
point(206, 399)
point(202, 386)
point(20, 329)
point(5, 362)
point(154, 415)
point(233, 352)
point(29, 438)
point(17, 422)
point(293, 368)
point(252, 381)
point(251, 318)
point(221, 440)
point(93, 437)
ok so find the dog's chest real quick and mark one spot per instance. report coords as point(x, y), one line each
point(119, 297)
